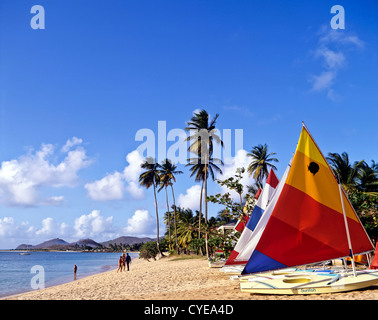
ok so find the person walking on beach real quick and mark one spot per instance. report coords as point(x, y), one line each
point(75, 270)
point(120, 264)
point(124, 261)
point(128, 260)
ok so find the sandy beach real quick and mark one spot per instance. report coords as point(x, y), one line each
point(169, 279)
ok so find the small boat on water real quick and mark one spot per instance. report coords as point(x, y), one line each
point(24, 253)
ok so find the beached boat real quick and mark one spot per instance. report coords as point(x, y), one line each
point(217, 263)
point(232, 269)
point(308, 220)
point(309, 282)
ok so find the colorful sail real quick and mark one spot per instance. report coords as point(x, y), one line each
point(266, 196)
point(261, 204)
point(307, 222)
point(242, 222)
point(374, 264)
point(254, 237)
point(257, 195)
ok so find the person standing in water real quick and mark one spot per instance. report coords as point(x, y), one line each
point(75, 270)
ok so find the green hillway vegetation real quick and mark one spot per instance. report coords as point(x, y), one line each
point(191, 232)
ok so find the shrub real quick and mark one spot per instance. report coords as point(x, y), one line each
point(148, 251)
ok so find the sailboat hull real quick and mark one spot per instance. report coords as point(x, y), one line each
point(309, 283)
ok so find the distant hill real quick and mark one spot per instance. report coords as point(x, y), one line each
point(86, 242)
point(46, 244)
point(126, 240)
point(24, 247)
point(60, 244)
point(50, 243)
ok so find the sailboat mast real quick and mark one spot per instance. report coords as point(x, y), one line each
point(347, 228)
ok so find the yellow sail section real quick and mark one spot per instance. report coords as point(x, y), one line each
point(308, 147)
point(316, 178)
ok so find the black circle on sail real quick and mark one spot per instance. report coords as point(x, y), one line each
point(313, 168)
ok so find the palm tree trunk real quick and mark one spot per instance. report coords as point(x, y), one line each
point(157, 222)
point(200, 216)
point(206, 235)
point(169, 218)
point(174, 208)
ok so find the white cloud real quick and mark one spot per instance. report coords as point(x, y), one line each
point(329, 52)
point(241, 160)
point(332, 59)
point(70, 143)
point(191, 199)
point(13, 234)
point(93, 225)
point(333, 36)
point(113, 186)
point(135, 190)
point(7, 228)
point(108, 188)
point(51, 228)
point(323, 81)
point(131, 174)
point(54, 201)
point(22, 178)
point(141, 224)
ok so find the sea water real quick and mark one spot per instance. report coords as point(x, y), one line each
point(16, 272)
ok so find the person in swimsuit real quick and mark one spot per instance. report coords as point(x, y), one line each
point(120, 264)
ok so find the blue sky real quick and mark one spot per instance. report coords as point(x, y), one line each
point(74, 95)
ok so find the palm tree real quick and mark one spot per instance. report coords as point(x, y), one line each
point(167, 171)
point(198, 169)
point(368, 178)
point(347, 173)
point(150, 177)
point(186, 227)
point(203, 134)
point(261, 162)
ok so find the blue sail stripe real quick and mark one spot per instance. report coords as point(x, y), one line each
point(255, 218)
point(260, 262)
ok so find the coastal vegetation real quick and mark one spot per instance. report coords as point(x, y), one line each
point(192, 232)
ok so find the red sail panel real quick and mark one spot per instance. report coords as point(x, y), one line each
point(311, 234)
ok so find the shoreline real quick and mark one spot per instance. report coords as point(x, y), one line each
point(14, 296)
point(59, 282)
point(169, 279)
point(61, 277)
